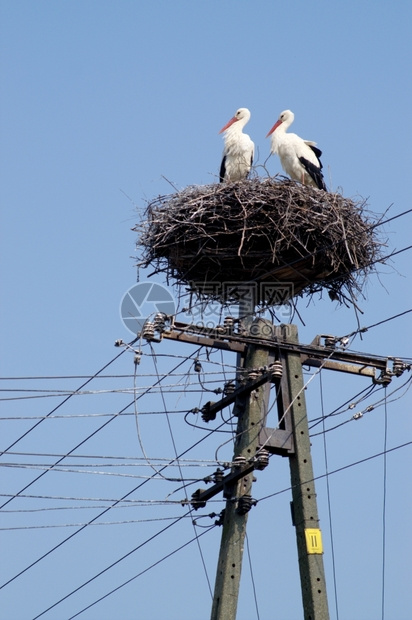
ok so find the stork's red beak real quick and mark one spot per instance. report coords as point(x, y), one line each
point(232, 120)
point(275, 126)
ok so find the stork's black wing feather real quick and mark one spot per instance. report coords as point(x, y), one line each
point(222, 169)
point(314, 172)
point(317, 152)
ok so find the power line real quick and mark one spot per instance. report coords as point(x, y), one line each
point(65, 400)
point(64, 456)
point(128, 554)
point(359, 414)
point(97, 516)
point(365, 329)
point(68, 470)
point(47, 527)
point(69, 416)
point(143, 503)
point(89, 436)
point(348, 404)
point(133, 459)
point(389, 219)
point(385, 441)
point(173, 387)
point(181, 473)
point(252, 577)
point(64, 377)
point(125, 583)
point(124, 503)
point(329, 500)
point(335, 471)
point(99, 376)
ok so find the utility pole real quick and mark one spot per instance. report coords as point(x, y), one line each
point(250, 409)
point(252, 413)
point(274, 354)
point(304, 504)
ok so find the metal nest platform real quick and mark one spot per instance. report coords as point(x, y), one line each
point(264, 230)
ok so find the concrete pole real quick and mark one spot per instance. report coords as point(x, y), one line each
point(251, 413)
point(304, 506)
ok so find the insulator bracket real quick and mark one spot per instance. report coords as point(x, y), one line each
point(244, 504)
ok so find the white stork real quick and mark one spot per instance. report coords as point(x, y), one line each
point(299, 158)
point(238, 150)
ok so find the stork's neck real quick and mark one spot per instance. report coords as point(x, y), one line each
point(283, 127)
point(235, 129)
point(234, 133)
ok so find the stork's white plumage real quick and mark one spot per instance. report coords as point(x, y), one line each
point(300, 158)
point(239, 149)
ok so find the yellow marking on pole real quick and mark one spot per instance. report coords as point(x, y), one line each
point(313, 540)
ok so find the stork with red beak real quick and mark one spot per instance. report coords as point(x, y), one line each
point(300, 158)
point(238, 150)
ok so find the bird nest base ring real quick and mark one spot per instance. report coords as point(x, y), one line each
point(272, 232)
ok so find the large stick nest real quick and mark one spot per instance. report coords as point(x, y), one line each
point(261, 230)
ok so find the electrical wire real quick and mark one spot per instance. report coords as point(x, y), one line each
point(65, 400)
point(359, 414)
point(47, 527)
point(63, 457)
point(323, 418)
point(143, 503)
point(64, 377)
point(125, 583)
point(349, 404)
point(390, 219)
point(131, 459)
point(123, 557)
point(339, 469)
point(325, 453)
point(69, 416)
point(385, 443)
point(88, 437)
point(252, 577)
point(92, 520)
point(365, 329)
point(177, 459)
point(57, 546)
point(56, 394)
point(136, 414)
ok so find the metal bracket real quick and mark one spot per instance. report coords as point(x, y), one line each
point(201, 496)
point(210, 410)
point(354, 363)
point(279, 440)
point(219, 338)
point(323, 350)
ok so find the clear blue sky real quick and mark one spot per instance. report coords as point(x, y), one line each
point(99, 102)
